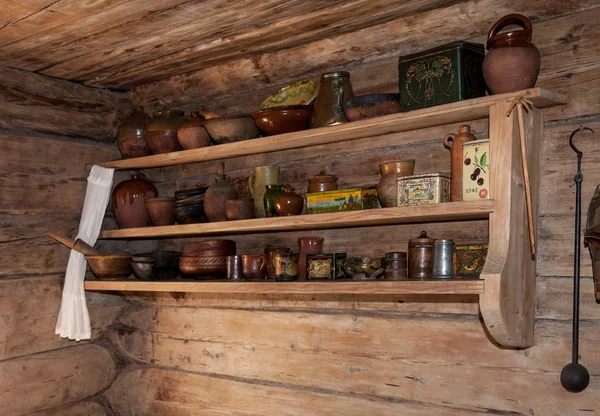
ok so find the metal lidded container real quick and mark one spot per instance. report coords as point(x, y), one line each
point(395, 266)
point(442, 75)
point(442, 267)
point(234, 268)
point(420, 257)
point(429, 188)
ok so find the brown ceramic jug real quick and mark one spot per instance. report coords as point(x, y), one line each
point(216, 196)
point(513, 62)
point(455, 142)
point(129, 202)
point(387, 189)
point(130, 134)
point(161, 132)
point(288, 203)
point(308, 245)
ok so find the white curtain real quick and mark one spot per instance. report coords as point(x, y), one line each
point(73, 319)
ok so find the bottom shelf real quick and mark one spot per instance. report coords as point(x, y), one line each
point(403, 287)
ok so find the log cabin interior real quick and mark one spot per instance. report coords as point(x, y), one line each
point(71, 72)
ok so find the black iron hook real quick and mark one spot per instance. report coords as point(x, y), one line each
point(581, 129)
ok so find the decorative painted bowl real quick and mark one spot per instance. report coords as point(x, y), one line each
point(284, 119)
point(203, 268)
point(297, 93)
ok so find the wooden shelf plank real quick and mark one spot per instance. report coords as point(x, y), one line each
point(461, 111)
point(449, 211)
point(404, 287)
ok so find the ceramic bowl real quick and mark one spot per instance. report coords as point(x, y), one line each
point(203, 268)
point(371, 105)
point(110, 267)
point(160, 210)
point(231, 129)
point(161, 265)
point(297, 93)
point(279, 120)
point(239, 209)
point(190, 213)
point(210, 248)
point(187, 193)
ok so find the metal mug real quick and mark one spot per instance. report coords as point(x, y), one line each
point(234, 268)
point(443, 251)
point(334, 90)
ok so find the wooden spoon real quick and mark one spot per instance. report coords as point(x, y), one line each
point(77, 245)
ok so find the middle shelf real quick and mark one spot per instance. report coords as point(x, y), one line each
point(449, 211)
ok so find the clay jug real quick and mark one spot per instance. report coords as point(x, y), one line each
point(216, 196)
point(289, 203)
point(262, 176)
point(455, 142)
point(129, 202)
point(387, 189)
point(308, 245)
point(161, 132)
point(130, 134)
point(513, 62)
point(335, 89)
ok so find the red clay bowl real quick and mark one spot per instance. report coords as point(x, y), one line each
point(279, 120)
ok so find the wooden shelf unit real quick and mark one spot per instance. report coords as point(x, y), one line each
point(404, 287)
point(506, 286)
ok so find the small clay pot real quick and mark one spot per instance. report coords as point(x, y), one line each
point(322, 183)
point(239, 209)
point(192, 213)
point(192, 134)
point(254, 266)
point(271, 192)
point(130, 134)
point(161, 132)
point(128, 202)
point(289, 203)
point(216, 196)
point(387, 189)
point(161, 210)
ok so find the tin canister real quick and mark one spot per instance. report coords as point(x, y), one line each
point(234, 268)
point(476, 170)
point(286, 266)
point(319, 266)
point(442, 267)
point(420, 257)
point(431, 188)
point(395, 266)
point(469, 260)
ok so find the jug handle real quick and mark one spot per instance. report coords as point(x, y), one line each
point(448, 140)
point(341, 90)
point(251, 183)
point(263, 262)
point(511, 19)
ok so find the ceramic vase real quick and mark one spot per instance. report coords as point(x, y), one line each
point(130, 134)
point(129, 202)
point(161, 132)
point(217, 195)
point(387, 189)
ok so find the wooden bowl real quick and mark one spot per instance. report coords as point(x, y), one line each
point(203, 268)
point(231, 129)
point(110, 267)
point(279, 120)
point(209, 248)
point(371, 105)
point(161, 265)
point(160, 211)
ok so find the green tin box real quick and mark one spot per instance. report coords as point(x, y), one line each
point(342, 200)
point(442, 75)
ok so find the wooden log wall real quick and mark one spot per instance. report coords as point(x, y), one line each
point(331, 355)
point(43, 182)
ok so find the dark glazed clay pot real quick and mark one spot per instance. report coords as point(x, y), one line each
point(513, 62)
point(129, 202)
point(271, 192)
point(216, 196)
point(289, 203)
point(161, 132)
point(130, 134)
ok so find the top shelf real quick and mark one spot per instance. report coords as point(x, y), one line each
point(457, 112)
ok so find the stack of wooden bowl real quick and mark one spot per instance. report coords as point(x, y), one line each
point(206, 260)
point(189, 206)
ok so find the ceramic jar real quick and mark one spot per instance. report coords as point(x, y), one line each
point(289, 203)
point(308, 245)
point(335, 89)
point(257, 182)
point(271, 192)
point(161, 132)
point(217, 195)
point(513, 62)
point(455, 143)
point(239, 209)
point(192, 134)
point(271, 252)
point(322, 183)
point(420, 257)
point(387, 189)
point(130, 134)
point(128, 201)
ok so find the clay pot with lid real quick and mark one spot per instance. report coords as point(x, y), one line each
point(455, 142)
point(161, 132)
point(130, 134)
point(192, 134)
point(513, 62)
point(129, 202)
point(288, 203)
point(216, 196)
point(322, 183)
point(387, 189)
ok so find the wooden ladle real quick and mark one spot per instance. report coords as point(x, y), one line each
point(77, 245)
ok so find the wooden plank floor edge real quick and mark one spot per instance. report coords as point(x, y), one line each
point(435, 287)
point(447, 211)
point(461, 111)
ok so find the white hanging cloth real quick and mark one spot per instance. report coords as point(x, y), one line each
point(74, 319)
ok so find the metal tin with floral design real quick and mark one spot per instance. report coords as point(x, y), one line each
point(430, 188)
